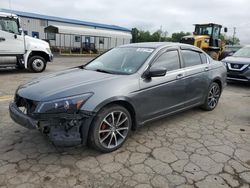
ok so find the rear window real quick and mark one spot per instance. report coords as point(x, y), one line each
point(191, 58)
point(203, 58)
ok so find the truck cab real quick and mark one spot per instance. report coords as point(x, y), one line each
point(207, 37)
point(19, 50)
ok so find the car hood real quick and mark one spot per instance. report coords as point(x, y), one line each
point(63, 84)
point(233, 59)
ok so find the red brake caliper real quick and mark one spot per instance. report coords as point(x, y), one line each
point(103, 127)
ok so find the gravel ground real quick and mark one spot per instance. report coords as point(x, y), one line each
point(190, 149)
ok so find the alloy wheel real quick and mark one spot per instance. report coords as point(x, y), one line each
point(213, 96)
point(113, 129)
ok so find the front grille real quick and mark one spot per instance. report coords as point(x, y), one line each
point(25, 105)
point(187, 41)
point(237, 67)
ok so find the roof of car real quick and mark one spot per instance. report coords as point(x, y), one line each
point(156, 45)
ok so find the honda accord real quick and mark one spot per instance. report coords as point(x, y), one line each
point(101, 102)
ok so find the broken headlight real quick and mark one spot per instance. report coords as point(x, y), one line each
point(65, 105)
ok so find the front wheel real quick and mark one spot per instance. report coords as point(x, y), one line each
point(110, 128)
point(37, 64)
point(212, 97)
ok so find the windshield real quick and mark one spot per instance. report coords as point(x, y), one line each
point(203, 30)
point(243, 52)
point(124, 60)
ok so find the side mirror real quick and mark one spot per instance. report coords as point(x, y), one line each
point(156, 72)
point(20, 30)
point(225, 29)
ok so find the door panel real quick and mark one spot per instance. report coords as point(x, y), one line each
point(161, 95)
point(11, 45)
point(196, 76)
point(11, 42)
point(196, 79)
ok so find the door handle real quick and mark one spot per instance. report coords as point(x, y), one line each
point(206, 69)
point(2, 39)
point(179, 76)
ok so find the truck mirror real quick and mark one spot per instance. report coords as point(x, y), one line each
point(225, 29)
point(20, 30)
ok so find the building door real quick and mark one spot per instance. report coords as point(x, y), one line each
point(35, 34)
point(87, 42)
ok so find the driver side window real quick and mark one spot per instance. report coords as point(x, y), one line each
point(169, 60)
point(9, 25)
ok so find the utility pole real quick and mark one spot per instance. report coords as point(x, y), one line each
point(160, 33)
point(234, 35)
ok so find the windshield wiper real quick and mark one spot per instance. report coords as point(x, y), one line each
point(104, 71)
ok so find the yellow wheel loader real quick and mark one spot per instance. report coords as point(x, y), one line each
point(207, 37)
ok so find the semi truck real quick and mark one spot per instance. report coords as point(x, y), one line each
point(20, 50)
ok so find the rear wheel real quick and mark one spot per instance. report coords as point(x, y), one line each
point(212, 97)
point(37, 64)
point(110, 128)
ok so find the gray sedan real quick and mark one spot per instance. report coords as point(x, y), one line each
point(127, 87)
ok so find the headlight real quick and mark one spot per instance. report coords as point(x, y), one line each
point(68, 104)
point(207, 40)
point(225, 63)
point(48, 50)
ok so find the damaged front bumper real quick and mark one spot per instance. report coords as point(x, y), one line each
point(19, 117)
point(62, 129)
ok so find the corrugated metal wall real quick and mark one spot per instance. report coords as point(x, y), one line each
point(34, 26)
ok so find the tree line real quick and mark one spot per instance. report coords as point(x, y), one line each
point(162, 36)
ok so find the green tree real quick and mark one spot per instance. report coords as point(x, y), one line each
point(159, 35)
point(229, 40)
point(176, 37)
point(146, 36)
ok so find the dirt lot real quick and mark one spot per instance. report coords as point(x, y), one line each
point(191, 149)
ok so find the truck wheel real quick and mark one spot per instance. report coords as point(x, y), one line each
point(37, 64)
point(110, 128)
point(213, 55)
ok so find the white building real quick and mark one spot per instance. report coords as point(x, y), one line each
point(71, 35)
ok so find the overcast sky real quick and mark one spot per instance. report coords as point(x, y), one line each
point(173, 16)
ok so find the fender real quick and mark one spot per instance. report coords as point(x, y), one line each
point(112, 100)
point(129, 105)
point(27, 55)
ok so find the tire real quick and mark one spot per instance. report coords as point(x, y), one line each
point(212, 98)
point(106, 135)
point(37, 64)
point(213, 55)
